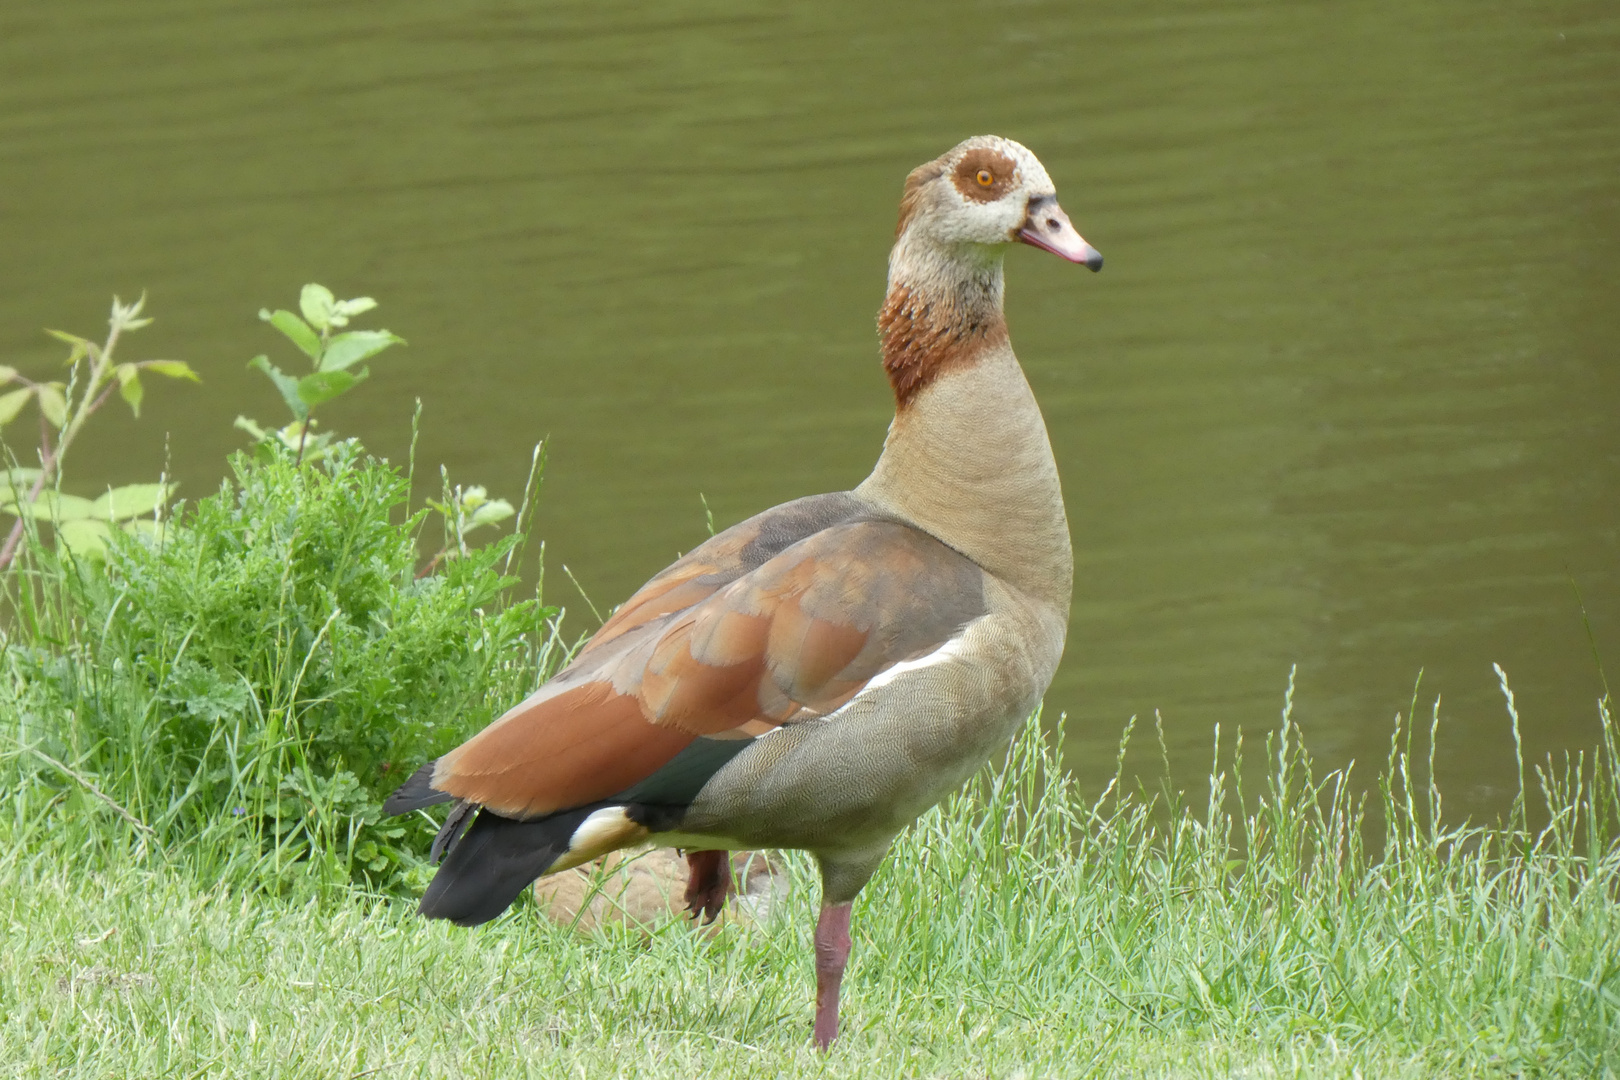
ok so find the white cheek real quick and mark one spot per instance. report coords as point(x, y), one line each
point(982, 223)
point(1008, 215)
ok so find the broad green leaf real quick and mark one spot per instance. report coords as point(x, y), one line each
point(323, 386)
point(129, 386)
point(348, 309)
point(87, 538)
point(145, 527)
point(52, 403)
point(174, 369)
point(7, 373)
point(131, 500)
point(51, 506)
point(284, 383)
point(491, 512)
point(82, 347)
point(15, 484)
point(298, 437)
point(11, 404)
point(296, 330)
point(347, 349)
point(244, 424)
point(344, 310)
point(318, 305)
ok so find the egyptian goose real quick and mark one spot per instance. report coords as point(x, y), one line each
point(823, 673)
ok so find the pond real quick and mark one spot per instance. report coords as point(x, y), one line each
point(1344, 397)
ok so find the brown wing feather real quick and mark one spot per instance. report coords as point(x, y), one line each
point(664, 595)
point(796, 634)
point(566, 750)
point(805, 631)
point(724, 558)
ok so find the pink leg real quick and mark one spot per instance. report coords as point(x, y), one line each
point(832, 953)
point(708, 883)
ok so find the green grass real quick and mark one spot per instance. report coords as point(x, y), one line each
point(1019, 930)
point(197, 728)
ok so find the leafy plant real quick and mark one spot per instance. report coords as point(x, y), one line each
point(334, 354)
point(84, 525)
point(64, 409)
point(463, 510)
point(248, 688)
point(268, 669)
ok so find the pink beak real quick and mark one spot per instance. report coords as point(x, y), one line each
point(1047, 227)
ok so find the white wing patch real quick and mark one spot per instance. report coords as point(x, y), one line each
point(943, 655)
point(605, 830)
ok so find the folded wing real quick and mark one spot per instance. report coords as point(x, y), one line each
point(751, 631)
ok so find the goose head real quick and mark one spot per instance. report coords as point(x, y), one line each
point(983, 194)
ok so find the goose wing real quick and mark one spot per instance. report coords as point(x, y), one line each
point(714, 652)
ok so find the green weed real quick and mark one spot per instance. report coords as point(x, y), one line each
point(244, 681)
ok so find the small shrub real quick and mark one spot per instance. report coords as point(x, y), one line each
point(245, 683)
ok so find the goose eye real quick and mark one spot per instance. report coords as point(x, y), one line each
point(984, 178)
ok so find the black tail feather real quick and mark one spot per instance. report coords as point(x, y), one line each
point(415, 793)
point(455, 823)
point(494, 862)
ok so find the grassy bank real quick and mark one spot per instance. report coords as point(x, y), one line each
point(994, 943)
point(201, 709)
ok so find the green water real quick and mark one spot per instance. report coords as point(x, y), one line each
point(1345, 395)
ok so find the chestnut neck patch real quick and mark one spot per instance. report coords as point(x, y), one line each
point(925, 335)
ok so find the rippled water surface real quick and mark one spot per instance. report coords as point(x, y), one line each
point(1345, 396)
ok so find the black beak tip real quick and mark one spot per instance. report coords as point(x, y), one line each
point(1094, 263)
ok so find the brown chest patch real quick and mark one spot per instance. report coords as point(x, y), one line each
point(984, 175)
point(924, 337)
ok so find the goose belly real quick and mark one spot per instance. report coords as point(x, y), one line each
point(859, 775)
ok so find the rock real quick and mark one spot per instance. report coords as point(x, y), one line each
point(642, 887)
